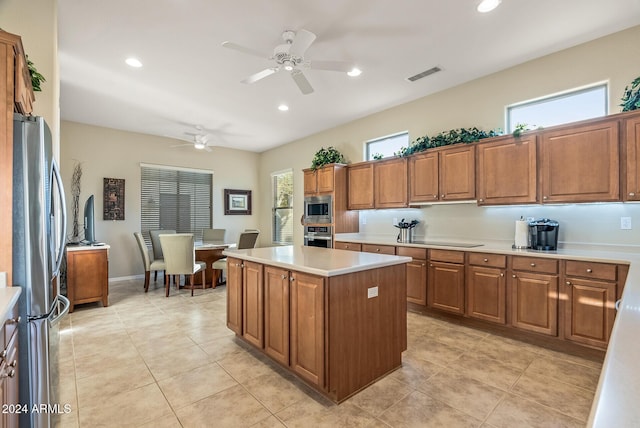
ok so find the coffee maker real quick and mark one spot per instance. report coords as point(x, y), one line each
point(543, 234)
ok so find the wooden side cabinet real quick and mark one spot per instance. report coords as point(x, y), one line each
point(87, 275)
point(416, 274)
point(446, 281)
point(486, 287)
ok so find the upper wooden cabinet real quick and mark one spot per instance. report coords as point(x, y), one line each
point(507, 171)
point(631, 145)
point(378, 184)
point(581, 163)
point(321, 180)
point(443, 175)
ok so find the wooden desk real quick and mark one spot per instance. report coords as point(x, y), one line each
point(209, 253)
point(88, 274)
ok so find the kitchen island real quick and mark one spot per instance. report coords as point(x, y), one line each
point(335, 318)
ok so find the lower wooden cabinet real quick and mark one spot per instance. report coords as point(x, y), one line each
point(9, 370)
point(534, 302)
point(234, 295)
point(252, 303)
point(416, 274)
point(276, 313)
point(87, 275)
point(351, 246)
point(446, 281)
point(307, 327)
point(486, 294)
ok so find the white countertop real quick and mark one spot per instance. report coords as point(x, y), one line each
point(8, 298)
point(617, 399)
point(318, 261)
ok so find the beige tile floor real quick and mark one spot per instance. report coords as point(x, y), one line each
point(151, 361)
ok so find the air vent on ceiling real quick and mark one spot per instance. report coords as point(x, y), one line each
point(424, 74)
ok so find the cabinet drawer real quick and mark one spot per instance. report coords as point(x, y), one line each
point(534, 264)
point(591, 270)
point(493, 260)
point(380, 249)
point(10, 325)
point(351, 246)
point(416, 253)
point(447, 256)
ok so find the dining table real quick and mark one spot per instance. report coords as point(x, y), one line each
point(208, 252)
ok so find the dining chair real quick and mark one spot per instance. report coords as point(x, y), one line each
point(157, 248)
point(213, 235)
point(180, 259)
point(149, 263)
point(245, 241)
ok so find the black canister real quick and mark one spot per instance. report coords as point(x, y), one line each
point(543, 234)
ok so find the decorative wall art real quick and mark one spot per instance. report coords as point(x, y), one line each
point(237, 202)
point(113, 206)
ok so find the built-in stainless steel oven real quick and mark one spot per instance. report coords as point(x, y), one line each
point(318, 209)
point(318, 236)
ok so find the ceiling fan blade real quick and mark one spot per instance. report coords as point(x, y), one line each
point(302, 82)
point(259, 75)
point(301, 42)
point(244, 49)
point(332, 65)
point(181, 145)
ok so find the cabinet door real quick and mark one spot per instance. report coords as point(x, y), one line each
point(325, 180)
point(360, 179)
point(486, 294)
point(458, 174)
point(446, 287)
point(507, 171)
point(417, 282)
point(310, 182)
point(87, 277)
point(390, 186)
point(252, 304)
point(276, 313)
point(351, 246)
point(632, 142)
point(581, 163)
point(307, 327)
point(10, 382)
point(589, 311)
point(534, 302)
point(423, 177)
point(234, 295)
point(23, 95)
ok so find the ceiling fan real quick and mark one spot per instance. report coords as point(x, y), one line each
point(197, 141)
point(289, 56)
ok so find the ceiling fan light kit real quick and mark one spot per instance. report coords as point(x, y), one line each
point(488, 5)
point(289, 56)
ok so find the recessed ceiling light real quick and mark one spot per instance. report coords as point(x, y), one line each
point(488, 5)
point(133, 62)
point(355, 72)
point(283, 107)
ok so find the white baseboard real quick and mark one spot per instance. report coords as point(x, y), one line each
point(126, 278)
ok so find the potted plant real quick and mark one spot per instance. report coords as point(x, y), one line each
point(327, 156)
point(36, 77)
point(631, 97)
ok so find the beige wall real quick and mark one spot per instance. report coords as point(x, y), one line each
point(36, 22)
point(110, 153)
point(481, 103)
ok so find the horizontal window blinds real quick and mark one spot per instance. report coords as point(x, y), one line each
point(177, 200)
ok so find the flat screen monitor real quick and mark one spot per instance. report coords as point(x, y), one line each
point(89, 221)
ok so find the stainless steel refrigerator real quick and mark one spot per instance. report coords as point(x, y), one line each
point(39, 228)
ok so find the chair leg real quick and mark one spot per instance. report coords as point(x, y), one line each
point(203, 279)
point(191, 283)
point(167, 285)
point(155, 276)
point(146, 280)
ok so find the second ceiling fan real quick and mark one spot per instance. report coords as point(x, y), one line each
point(289, 56)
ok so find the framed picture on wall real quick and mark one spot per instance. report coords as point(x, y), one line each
point(113, 202)
point(237, 202)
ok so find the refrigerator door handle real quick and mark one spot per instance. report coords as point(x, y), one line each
point(62, 312)
point(63, 223)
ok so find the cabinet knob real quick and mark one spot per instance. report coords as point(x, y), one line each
point(435, 196)
point(533, 265)
point(486, 260)
point(632, 194)
point(422, 264)
point(481, 200)
point(284, 276)
point(589, 271)
point(513, 276)
point(12, 373)
point(3, 354)
point(501, 274)
point(431, 265)
point(618, 304)
point(568, 282)
point(377, 250)
point(442, 196)
point(13, 363)
point(545, 198)
point(291, 279)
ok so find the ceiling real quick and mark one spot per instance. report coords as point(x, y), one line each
point(189, 79)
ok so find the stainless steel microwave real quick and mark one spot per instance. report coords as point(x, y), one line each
point(318, 209)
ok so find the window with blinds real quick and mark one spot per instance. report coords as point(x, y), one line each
point(175, 199)
point(282, 211)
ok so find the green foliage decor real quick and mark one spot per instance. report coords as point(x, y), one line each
point(446, 138)
point(631, 97)
point(36, 77)
point(327, 156)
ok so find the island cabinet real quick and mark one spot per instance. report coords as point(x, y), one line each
point(589, 308)
point(252, 304)
point(580, 163)
point(378, 184)
point(416, 274)
point(447, 174)
point(339, 333)
point(631, 145)
point(507, 171)
point(486, 287)
point(446, 281)
point(533, 294)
